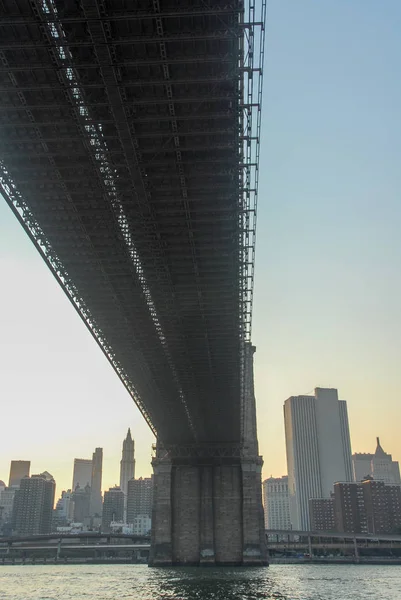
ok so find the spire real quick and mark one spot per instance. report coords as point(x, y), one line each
point(379, 449)
point(129, 434)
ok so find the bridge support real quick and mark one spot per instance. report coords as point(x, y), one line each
point(207, 508)
point(207, 499)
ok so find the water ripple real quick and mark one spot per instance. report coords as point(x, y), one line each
point(138, 582)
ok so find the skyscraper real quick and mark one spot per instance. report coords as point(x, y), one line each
point(113, 507)
point(82, 474)
point(96, 483)
point(318, 449)
point(139, 498)
point(275, 502)
point(33, 504)
point(64, 511)
point(18, 470)
point(81, 499)
point(7, 496)
point(379, 465)
point(127, 464)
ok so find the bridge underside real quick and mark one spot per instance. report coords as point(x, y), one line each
point(128, 151)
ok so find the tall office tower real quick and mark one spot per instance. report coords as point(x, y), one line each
point(82, 474)
point(82, 499)
point(379, 465)
point(33, 505)
point(18, 470)
point(127, 464)
point(7, 496)
point(275, 502)
point(96, 483)
point(139, 498)
point(113, 507)
point(318, 449)
point(64, 511)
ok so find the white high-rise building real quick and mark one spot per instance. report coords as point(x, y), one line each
point(275, 502)
point(318, 449)
point(379, 465)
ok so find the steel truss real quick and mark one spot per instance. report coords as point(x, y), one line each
point(129, 152)
point(168, 452)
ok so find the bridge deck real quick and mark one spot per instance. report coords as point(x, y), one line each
point(129, 149)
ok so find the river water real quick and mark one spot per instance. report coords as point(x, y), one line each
point(138, 582)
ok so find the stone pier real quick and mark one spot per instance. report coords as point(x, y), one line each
point(207, 498)
point(207, 510)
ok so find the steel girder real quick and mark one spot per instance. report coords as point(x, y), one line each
point(136, 183)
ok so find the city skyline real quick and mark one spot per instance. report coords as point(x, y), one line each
point(327, 289)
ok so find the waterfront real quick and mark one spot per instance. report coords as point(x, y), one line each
point(118, 582)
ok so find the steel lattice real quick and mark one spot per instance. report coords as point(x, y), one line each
point(129, 152)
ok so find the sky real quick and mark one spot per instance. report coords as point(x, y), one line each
point(328, 262)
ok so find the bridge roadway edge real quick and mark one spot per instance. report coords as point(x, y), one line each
point(207, 511)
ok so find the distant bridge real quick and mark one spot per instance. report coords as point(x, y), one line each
point(105, 538)
point(79, 547)
point(284, 541)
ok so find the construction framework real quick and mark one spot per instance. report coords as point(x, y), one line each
point(129, 152)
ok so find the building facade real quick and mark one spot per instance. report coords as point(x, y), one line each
point(127, 463)
point(139, 498)
point(18, 470)
point(276, 503)
point(142, 525)
point(367, 507)
point(64, 511)
point(318, 450)
point(7, 496)
point(380, 466)
point(33, 505)
point(96, 483)
point(113, 507)
point(349, 508)
point(82, 474)
point(382, 506)
point(321, 514)
point(81, 504)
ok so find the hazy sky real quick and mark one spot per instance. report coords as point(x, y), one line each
point(328, 273)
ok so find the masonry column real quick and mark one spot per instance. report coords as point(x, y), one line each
point(161, 553)
point(254, 540)
point(254, 550)
point(207, 506)
point(207, 549)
